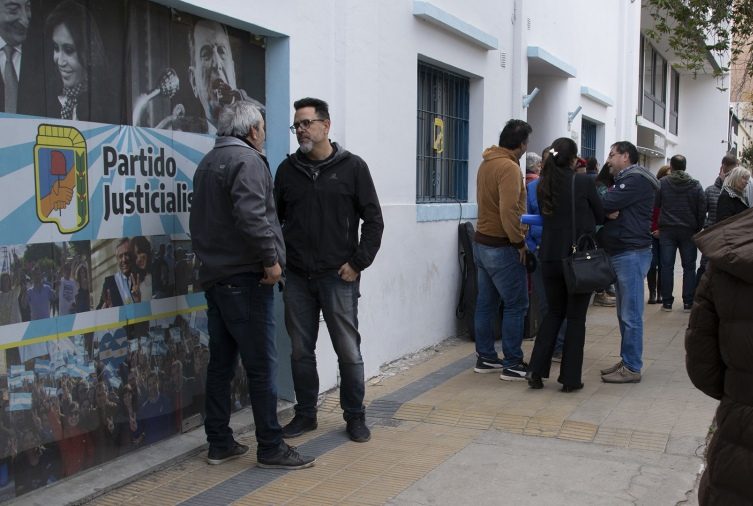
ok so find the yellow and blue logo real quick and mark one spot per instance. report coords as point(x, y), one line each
point(62, 180)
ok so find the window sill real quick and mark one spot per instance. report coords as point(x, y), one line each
point(446, 212)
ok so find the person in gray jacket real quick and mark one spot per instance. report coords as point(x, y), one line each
point(237, 237)
point(683, 211)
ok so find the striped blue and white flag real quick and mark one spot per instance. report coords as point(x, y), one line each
point(20, 401)
point(42, 367)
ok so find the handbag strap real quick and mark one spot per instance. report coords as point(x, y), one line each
point(572, 207)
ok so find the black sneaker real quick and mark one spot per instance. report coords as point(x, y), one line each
point(298, 425)
point(666, 307)
point(217, 456)
point(485, 365)
point(514, 373)
point(687, 308)
point(357, 430)
point(286, 458)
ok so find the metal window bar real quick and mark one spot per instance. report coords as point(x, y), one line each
point(588, 134)
point(442, 176)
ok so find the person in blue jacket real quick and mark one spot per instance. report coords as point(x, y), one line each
point(533, 241)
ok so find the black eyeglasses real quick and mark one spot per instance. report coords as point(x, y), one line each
point(304, 124)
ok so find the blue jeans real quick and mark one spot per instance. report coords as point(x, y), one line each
point(338, 301)
point(631, 268)
point(500, 275)
point(670, 240)
point(241, 321)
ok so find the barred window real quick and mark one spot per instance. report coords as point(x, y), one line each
point(588, 136)
point(442, 136)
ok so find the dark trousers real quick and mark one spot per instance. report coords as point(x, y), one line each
point(338, 302)
point(670, 241)
point(241, 321)
point(562, 307)
point(654, 272)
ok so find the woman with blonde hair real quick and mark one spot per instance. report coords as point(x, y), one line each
point(733, 198)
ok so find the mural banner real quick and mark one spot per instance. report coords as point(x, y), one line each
point(106, 108)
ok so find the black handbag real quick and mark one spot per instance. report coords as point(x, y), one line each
point(588, 267)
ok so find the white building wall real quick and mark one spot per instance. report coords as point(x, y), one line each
point(605, 60)
point(362, 58)
point(702, 130)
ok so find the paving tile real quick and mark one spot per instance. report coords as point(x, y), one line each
point(651, 441)
point(578, 431)
point(510, 422)
point(411, 411)
point(543, 427)
point(613, 436)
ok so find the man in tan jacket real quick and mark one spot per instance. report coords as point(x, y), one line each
point(500, 252)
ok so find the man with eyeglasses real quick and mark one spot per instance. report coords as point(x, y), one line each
point(626, 236)
point(323, 193)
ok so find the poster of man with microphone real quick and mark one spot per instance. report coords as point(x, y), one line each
point(209, 81)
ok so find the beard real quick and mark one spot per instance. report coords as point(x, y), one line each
point(306, 146)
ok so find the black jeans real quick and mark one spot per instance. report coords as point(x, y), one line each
point(338, 302)
point(654, 272)
point(670, 240)
point(241, 321)
point(562, 306)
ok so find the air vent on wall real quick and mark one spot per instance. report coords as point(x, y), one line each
point(528, 24)
point(503, 59)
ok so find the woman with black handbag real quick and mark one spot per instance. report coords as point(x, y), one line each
point(556, 193)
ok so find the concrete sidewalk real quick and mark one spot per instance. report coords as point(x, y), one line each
point(445, 435)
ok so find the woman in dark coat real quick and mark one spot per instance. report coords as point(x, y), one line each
point(555, 201)
point(732, 198)
point(719, 346)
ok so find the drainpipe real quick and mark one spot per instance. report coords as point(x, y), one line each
point(519, 80)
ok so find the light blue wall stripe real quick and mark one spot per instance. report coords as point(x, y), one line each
point(278, 104)
point(596, 96)
point(545, 56)
point(436, 16)
point(446, 212)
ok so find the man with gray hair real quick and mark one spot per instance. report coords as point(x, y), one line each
point(533, 167)
point(237, 237)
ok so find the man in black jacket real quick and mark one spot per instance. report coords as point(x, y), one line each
point(236, 235)
point(322, 193)
point(682, 205)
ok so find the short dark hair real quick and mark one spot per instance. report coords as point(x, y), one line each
point(515, 133)
point(320, 106)
point(627, 147)
point(730, 161)
point(678, 162)
point(592, 166)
